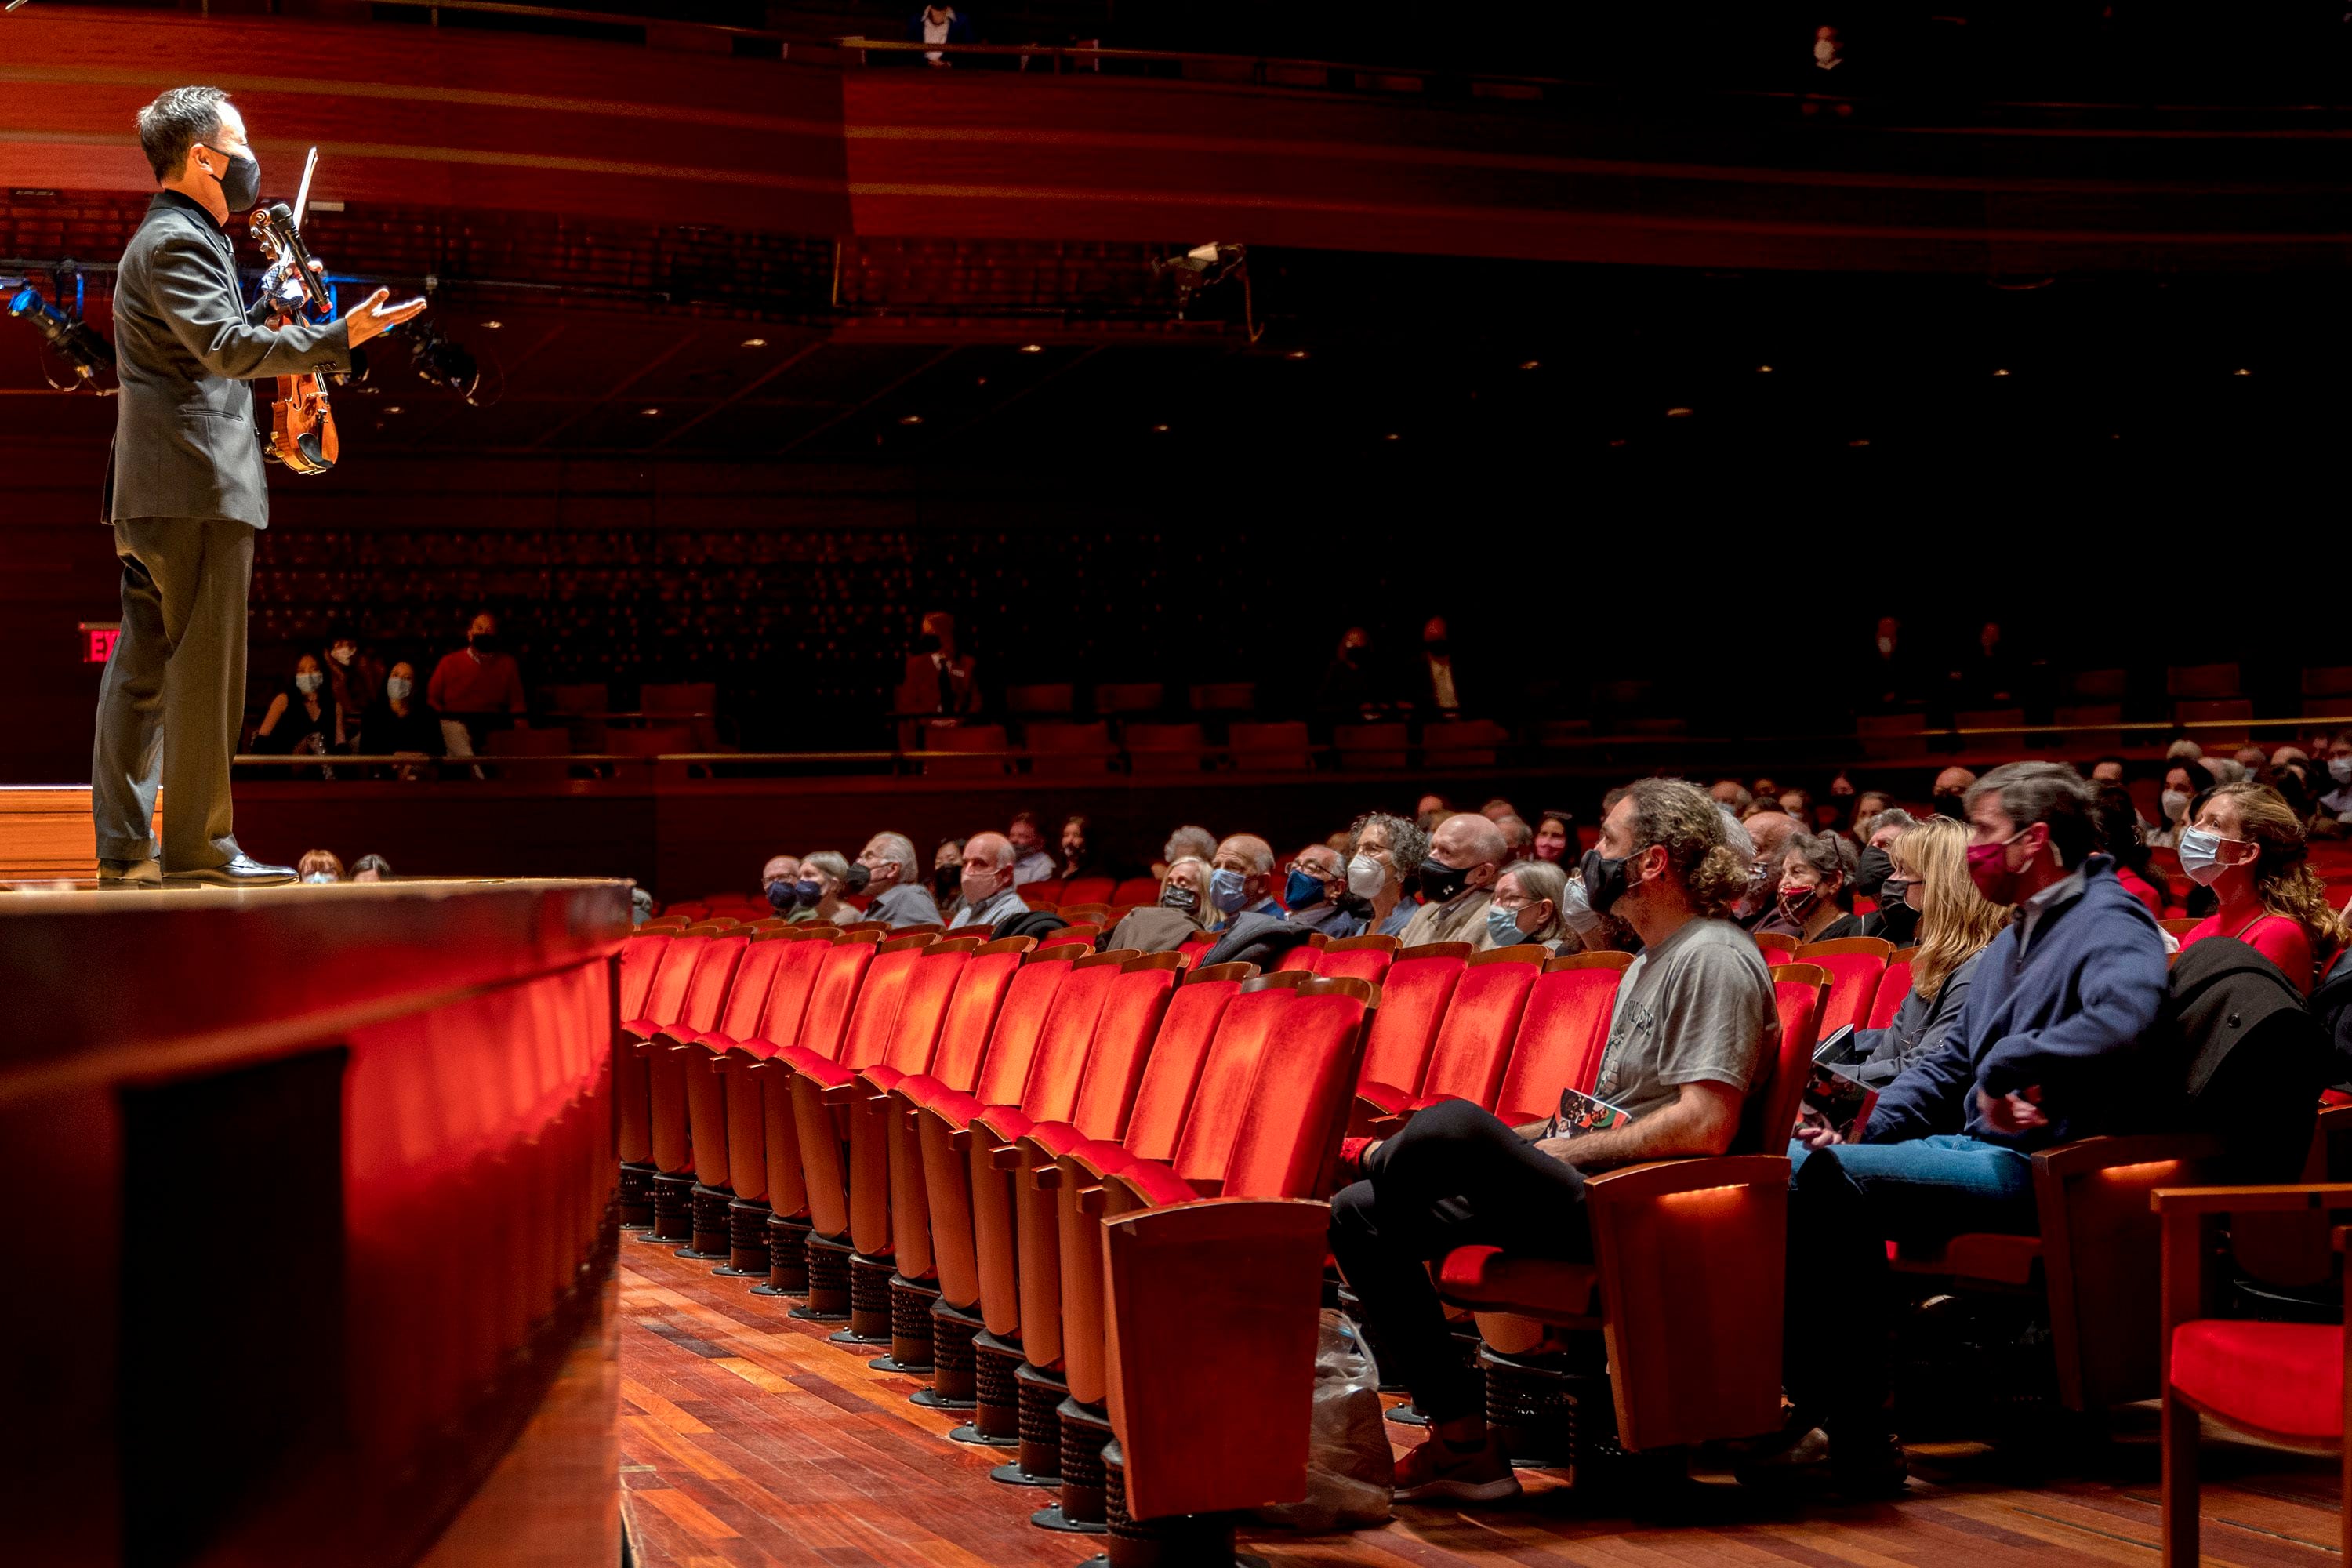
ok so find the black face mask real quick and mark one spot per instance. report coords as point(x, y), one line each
point(1437, 648)
point(1870, 872)
point(1175, 898)
point(1604, 879)
point(928, 643)
point(859, 877)
point(1952, 804)
point(1901, 922)
point(483, 642)
point(240, 183)
point(947, 882)
point(1440, 882)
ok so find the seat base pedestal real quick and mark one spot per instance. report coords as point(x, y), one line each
point(869, 1302)
point(708, 1237)
point(1038, 1461)
point(1086, 1433)
point(1186, 1540)
point(636, 1196)
point(828, 1282)
point(996, 1409)
point(952, 1374)
point(673, 1209)
point(1545, 1415)
point(747, 1240)
point(787, 1257)
point(910, 1328)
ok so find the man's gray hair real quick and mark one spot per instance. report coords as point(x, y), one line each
point(2227, 770)
point(1191, 841)
point(177, 121)
point(1892, 816)
point(1408, 844)
point(899, 850)
point(1255, 851)
point(2183, 751)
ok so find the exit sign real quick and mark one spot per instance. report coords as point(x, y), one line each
point(98, 640)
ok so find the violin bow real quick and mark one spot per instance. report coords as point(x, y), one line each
point(303, 196)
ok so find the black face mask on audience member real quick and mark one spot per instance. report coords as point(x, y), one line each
point(857, 879)
point(1953, 804)
point(928, 643)
point(947, 881)
point(1902, 926)
point(1604, 880)
point(1440, 882)
point(1870, 871)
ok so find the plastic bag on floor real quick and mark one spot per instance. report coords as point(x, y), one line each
point(1350, 1471)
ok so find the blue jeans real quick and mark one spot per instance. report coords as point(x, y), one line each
point(1845, 1203)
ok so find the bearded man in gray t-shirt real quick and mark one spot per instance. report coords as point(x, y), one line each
point(1694, 1034)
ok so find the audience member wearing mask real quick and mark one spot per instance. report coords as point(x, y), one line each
point(2333, 819)
point(1496, 809)
point(2047, 1049)
point(2120, 836)
point(1811, 891)
point(2246, 846)
point(947, 876)
point(1347, 688)
point(781, 871)
point(320, 866)
point(1555, 843)
point(1457, 881)
point(398, 724)
point(1315, 890)
point(2184, 780)
point(896, 877)
point(1519, 838)
point(1529, 897)
point(1182, 913)
point(1383, 848)
point(476, 689)
point(302, 720)
point(1029, 862)
point(1244, 864)
point(938, 678)
point(355, 677)
point(1078, 853)
point(987, 885)
point(1928, 877)
point(1950, 794)
point(1732, 794)
point(371, 869)
point(1767, 834)
point(1187, 841)
point(1891, 920)
point(817, 891)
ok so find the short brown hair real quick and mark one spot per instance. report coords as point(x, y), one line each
point(177, 121)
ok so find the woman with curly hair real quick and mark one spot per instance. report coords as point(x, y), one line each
point(2246, 845)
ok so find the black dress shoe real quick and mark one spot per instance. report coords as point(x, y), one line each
point(243, 871)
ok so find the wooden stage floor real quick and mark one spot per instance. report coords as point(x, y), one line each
point(747, 1440)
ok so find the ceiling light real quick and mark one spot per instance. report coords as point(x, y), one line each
point(392, 409)
point(649, 412)
point(980, 381)
point(1531, 364)
point(1160, 429)
point(1032, 348)
point(1678, 413)
point(755, 343)
point(1296, 354)
point(1390, 436)
point(910, 419)
point(1763, 370)
point(2000, 372)
point(2245, 372)
point(1863, 443)
point(493, 326)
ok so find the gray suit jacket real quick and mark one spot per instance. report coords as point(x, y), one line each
point(184, 442)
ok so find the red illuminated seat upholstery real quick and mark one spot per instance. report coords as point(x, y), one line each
point(1561, 1033)
point(833, 978)
point(1307, 956)
point(1893, 986)
point(2281, 1383)
point(667, 1086)
point(1414, 991)
point(1091, 891)
point(1857, 965)
point(1474, 1040)
point(1364, 958)
point(1137, 891)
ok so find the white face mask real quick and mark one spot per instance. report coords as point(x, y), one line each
point(1886, 645)
point(2176, 802)
point(398, 687)
point(308, 681)
point(1366, 876)
point(1576, 906)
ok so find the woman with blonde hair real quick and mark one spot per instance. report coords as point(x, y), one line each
point(2246, 845)
point(1928, 870)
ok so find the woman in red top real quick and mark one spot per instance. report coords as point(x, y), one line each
point(2246, 845)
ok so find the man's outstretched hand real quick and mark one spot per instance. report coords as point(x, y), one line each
point(372, 318)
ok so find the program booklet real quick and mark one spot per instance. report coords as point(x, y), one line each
point(1583, 1112)
point(1831, 1099)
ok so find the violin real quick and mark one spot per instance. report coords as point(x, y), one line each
point(301, 420)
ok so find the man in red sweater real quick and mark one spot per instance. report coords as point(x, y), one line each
point(474, 687)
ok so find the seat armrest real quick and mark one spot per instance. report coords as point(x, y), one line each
point(1382, 1098)
point(2320, 1197)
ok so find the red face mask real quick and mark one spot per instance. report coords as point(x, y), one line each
point(1988, 868)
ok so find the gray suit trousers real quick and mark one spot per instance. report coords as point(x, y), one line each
point(173, 701)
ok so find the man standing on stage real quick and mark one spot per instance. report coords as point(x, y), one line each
point(185, 493)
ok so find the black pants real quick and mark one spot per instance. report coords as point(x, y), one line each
point(173, 699)
point(1455, 1177)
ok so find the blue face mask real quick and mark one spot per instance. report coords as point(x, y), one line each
point(2340, 769)
point(1225, 890)
point(1303, 891)
point(1503, 926)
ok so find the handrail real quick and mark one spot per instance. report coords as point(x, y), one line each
point(786, 40)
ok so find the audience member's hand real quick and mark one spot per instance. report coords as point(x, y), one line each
point(2011, 1112)
point(1817, 1137)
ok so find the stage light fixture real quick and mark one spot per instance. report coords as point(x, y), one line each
point(1763, 370)
point(493, 326)
point(1531, 364)
point(1160, 429)
point(2245, 372)
point(2000, 372)
point(69, 337)
point(1678, 413)
point(649, 412)
point(1296, 354)
point(444, 362)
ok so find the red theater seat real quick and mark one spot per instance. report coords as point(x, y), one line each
point(1892, 987)
point(1414, 991)
point(832, 977)
point(669, 1085)
point(1855, 964)
point(1474, 1039)
point(1364, 958)
point(1091, 891)
point(1137, 891)
point(1561, 1033)
point(2280, 1383)
point(1307, 956)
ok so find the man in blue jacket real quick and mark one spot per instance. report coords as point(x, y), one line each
point(2046, 1050)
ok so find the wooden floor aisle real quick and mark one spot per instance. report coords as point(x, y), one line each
point(746, 1440)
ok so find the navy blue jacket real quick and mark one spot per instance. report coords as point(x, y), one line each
point(2070, 1016)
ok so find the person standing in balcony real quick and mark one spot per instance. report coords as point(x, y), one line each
point(477, 688)
point(939, 25)
point(938, 675)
